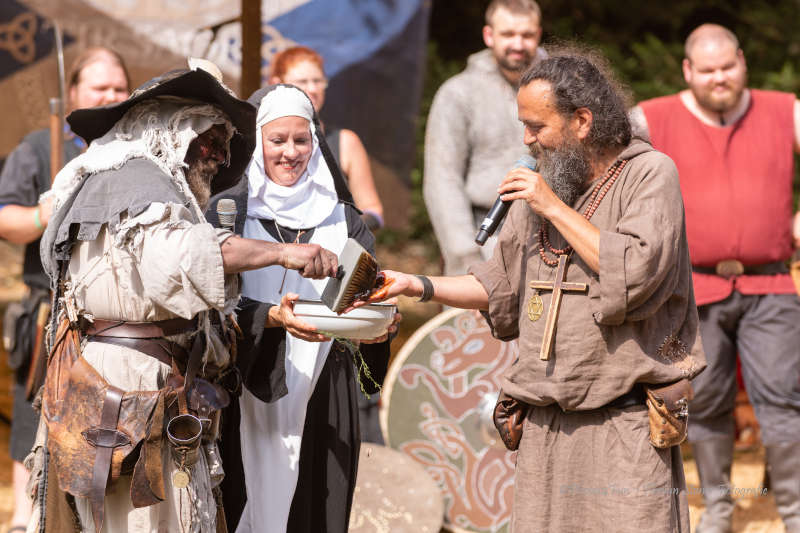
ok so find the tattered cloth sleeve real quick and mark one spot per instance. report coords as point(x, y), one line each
point(181, 265)
point(261, 353)
point(156, 265)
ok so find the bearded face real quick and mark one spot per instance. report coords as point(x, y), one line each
point(513, 38)
point(716, 74)
point(565, 167)
point(199, 176)
point(204, 156)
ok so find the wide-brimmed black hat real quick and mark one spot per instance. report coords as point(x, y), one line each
point(199, 85)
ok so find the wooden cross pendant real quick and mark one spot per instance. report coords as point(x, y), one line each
point(558, 286)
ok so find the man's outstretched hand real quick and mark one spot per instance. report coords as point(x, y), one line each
point(311, 260)
point(395, 284)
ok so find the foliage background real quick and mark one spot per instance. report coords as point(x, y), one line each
point(643, 40)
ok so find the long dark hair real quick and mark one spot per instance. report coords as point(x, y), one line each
point(582, 78)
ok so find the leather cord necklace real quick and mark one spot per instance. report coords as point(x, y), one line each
point(296, 240)
point(600, 189)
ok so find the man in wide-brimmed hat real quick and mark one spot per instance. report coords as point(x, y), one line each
point(141, 336)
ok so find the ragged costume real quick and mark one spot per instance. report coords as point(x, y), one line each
point(586, 462)
point(141, 339)
point(294, 432)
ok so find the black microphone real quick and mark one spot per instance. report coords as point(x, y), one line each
point(500, 208)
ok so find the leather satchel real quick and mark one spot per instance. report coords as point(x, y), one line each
point(92, 426)
point(509, 418)
point(668, 413)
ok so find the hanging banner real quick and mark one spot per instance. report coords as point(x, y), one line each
point(374, 54)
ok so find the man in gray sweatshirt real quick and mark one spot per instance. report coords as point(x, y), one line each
point(473, 135)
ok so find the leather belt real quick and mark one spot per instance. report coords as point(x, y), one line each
point(729, 268)
point(635, 396)
point(139, 330)
point(145, 337)
point(161, 349)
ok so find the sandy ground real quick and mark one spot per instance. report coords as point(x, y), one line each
point(753, 514)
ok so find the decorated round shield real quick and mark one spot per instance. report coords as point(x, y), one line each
point(437, 404)
point(394, 494)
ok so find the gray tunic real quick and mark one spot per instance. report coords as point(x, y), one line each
point(582, 466)
point(472, 140)
point(639, 321)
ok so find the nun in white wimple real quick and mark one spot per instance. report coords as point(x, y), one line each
point(299, 418)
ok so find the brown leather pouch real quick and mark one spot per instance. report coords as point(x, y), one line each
point(72, 406)
point(668, 412)
point(509, 417)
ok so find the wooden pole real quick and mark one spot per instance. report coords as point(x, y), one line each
point(56, 138)
point(251, 47)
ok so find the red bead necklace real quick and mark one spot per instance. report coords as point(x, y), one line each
point(599, 192)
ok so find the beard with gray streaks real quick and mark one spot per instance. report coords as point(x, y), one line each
point(199, 176)
point(566, 168)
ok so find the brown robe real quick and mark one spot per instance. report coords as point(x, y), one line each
point(582, 467)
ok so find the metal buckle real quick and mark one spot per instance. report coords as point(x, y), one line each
point(683, 405)
point(729, 268)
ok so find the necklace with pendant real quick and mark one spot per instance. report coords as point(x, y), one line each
point(600, 189)
point(535, 305)
point(296, 241)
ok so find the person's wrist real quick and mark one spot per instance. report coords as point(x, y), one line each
point(425, 288)
point(37, 218)
point(283, 254)
point(414, 287)
point(274, 317)
point(373, 220)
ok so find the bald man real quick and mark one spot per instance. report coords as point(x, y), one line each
point(734, 150)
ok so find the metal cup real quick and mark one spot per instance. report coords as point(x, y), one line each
point(184, 432)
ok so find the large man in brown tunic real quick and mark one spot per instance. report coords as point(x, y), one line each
point(610, 211)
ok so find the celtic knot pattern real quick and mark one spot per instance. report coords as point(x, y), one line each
point(17, 37)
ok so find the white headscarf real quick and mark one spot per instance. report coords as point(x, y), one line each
point(313, 197)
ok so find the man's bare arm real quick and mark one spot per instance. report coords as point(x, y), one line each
point(639, 126)
point(797, 126)
point(18, 222)
point(796, 221)
point(313, 261)
point(464, 292)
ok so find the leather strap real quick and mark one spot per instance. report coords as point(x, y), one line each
point(105, 448)
point(161, 349)
point(778, 267)
point(138, 330)
point(147, 486)
point(192, 368)
point(635, 396)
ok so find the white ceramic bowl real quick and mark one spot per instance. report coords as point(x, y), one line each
point(368, 322)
